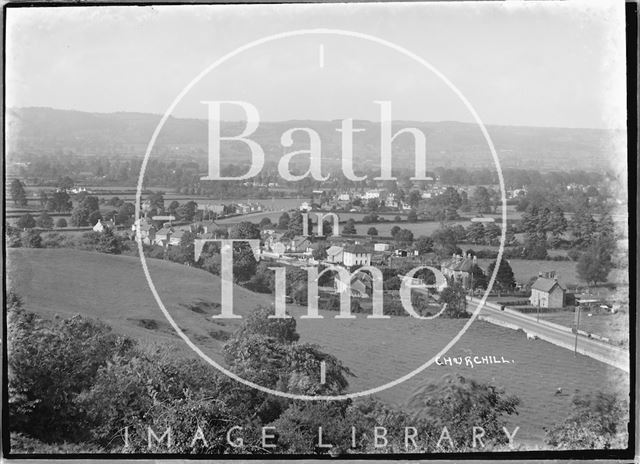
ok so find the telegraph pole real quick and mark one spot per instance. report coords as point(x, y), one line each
point(577, 319)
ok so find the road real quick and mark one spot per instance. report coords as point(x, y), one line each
point(553, 333)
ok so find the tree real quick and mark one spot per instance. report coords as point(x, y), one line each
point(597, 421)
point(187, 211)
point(372, 231)
point(94, 217)
point(444, 242)
point(244, 262)
point(109, 243)
point(492, 233)
point(295, 227)
point(478, 278)
point(80, 216)
point(62, 222)
point(460, 404)
point(605, 231)
point(557, 225)
point(44, 221)
point(404, 237)
point(265, 223)
point(43, 387)
point(454, 297)
point(583, 227)
point(395, 230)
point(505, 279)
point(65, 183)
point(482, 200)
point(26, 221)
point(412, 216)
point(350, 227)
point(423, 245)
point(44, 198)
point(475, 233)
point(91, 202)
point(60, 202)
point(259, 323)
point(327, 228)
point(244, 230)
point(31, 239)
point(373, 204)
point(156, 201)
point(283, 221)
point(414, 198)
point(594, 264)
point(451, 198)
point(124, 214)
point(18, 193)
point(173, 206)
point(319, 251)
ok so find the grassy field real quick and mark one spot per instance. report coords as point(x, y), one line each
point(613, 326)
point(524, 269)
point(113, 288)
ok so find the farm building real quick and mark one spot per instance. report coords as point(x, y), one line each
point(547, 293)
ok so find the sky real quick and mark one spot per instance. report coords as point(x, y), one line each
point(515, 63)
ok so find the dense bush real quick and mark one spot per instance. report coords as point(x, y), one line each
point(50, 364)
point(596, 421)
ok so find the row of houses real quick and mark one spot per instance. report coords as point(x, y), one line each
point(171, 236)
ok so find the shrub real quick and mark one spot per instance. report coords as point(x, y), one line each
point(50, 363)
point(597, 421)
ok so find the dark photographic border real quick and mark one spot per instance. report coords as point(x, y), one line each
point(631, 17)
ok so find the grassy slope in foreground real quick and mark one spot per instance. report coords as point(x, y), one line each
point(113, 288)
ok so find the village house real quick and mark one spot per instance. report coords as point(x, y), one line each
point(361, 285)
point(243, 209)
point(305, 206)
point(371, 195)
point(356, 255)
point(270, 238)
point(335, 254)
point(300, 244)
point(162, 236)
point(216, 209)
point(390, 201)
point(547, 293)
point(176, 237)
point(204, 227)
point(147, 231)
point(101, 225)
point(459, 269)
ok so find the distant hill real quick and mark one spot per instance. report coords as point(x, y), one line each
point(46, 130)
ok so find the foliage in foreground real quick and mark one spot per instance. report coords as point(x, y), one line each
point(597, 421)
point(74, 386)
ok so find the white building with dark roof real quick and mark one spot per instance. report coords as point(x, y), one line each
point(547, 293)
